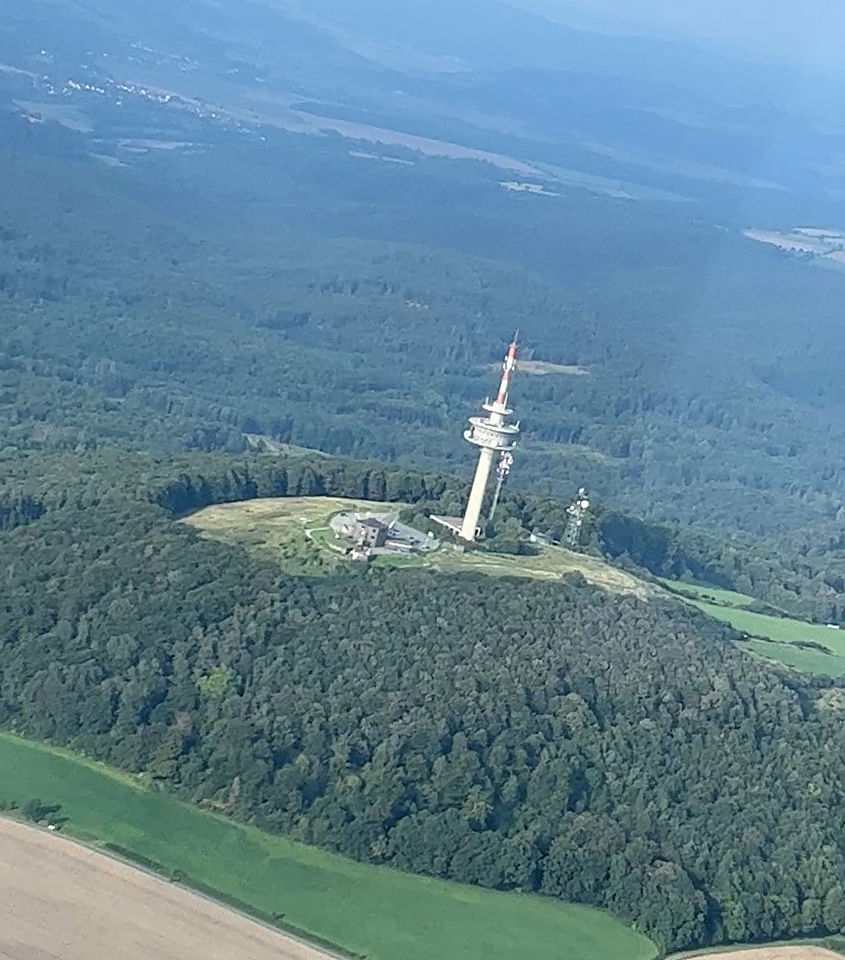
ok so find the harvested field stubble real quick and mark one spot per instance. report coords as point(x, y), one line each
point(62, 901)
point(797, 952)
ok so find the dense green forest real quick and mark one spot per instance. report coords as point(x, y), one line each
point(197, 312)
point(376, 355)
point(549, 738)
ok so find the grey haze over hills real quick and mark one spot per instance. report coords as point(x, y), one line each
point(809, 34)
point(644, 118)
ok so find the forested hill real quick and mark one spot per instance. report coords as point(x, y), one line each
point(184, 295)
point(545, 737)
point(192, 301)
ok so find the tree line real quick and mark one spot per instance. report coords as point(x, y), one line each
point(808, 584)
point(805, 581)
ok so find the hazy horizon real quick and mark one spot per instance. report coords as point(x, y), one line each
point(768, 29)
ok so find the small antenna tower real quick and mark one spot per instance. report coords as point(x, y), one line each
point(502, 473)
point(577, 513)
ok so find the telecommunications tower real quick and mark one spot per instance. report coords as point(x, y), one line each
point(494, 436)
point(576, 513)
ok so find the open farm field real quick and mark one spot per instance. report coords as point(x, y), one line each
point(807, 951)
point(297, 529)
point(364, 910)
point(67, 115)
point(781, 629)
point(799, 658)
point(708, 593)
point(97, 907)
point(775, 638)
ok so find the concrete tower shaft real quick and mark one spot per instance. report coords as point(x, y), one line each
point(493, 435)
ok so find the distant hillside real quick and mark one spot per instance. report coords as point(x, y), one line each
point(619, 115)
point(173, 303)
point(225, 226)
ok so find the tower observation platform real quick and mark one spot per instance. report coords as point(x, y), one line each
point(494, 435)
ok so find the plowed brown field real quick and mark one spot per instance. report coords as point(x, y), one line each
point(62, 901)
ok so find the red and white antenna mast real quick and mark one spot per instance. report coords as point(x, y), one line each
point(493, 435)
point(508, 370)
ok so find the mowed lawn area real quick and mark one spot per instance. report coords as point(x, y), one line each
point(369, 911)
point(296, 532)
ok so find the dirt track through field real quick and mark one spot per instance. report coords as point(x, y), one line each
point(62, 901)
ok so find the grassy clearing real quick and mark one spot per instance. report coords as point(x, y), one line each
point(775, 638)
point(364, 910)
point(296, 531)
point(401, 563)
point(696, 590)
point(542, 368)
point(551, 563)
point(292, 530)
point(798, 658)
